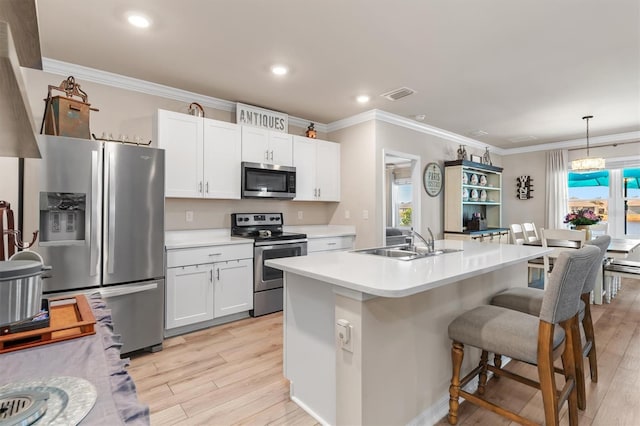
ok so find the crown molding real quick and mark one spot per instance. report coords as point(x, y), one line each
point(106, 78)
point(577, 143)
point(387, 117)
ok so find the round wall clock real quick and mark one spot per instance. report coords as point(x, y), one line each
point(432, 179)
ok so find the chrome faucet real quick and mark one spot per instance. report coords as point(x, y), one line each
point(430, 244)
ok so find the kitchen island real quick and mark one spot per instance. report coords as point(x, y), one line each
point(395, 368)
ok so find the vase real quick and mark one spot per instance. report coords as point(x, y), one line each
point(587, 230)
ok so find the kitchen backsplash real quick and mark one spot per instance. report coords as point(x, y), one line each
point(209, 214)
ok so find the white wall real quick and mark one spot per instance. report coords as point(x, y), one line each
point(357, 185)
point(519, 211)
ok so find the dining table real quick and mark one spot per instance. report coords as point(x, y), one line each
point(619, 248)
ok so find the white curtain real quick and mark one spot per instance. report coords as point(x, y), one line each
point(557, 189)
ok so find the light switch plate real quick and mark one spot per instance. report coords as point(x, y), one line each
point(189, 216)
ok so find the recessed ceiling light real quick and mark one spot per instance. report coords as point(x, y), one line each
point(420, 117)
point(138, 20)
point(363, 99)
point(279, 69)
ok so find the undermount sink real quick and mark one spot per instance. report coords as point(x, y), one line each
point(405, 252)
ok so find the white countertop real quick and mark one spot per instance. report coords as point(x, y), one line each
point(222, 236)
point(322, 231)
point(388, 277)
point(201, 238)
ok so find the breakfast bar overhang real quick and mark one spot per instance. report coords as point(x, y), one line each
point(365, 336)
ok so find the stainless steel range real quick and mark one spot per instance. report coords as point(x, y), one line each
point(270, 242)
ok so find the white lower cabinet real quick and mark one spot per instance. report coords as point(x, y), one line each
point(206, 283)
point(233, 287)
point(189, 295)
point(320, 244)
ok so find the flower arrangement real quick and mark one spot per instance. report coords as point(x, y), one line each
point(582, 217)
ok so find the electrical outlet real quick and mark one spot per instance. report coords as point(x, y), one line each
point(189, 216)
point(365, 214)
point(344, 332)
point(300, 215)
point(347, 214)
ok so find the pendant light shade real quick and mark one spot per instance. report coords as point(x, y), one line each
point(587, 164)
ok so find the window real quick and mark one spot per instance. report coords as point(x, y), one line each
point(612, 194)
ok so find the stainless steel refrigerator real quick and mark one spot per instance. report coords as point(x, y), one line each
point(100, 212)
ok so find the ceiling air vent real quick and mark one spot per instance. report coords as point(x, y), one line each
point(396, 94)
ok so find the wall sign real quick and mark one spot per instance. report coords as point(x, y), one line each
point(248, 115)
point(525, 187)
point(432, 179)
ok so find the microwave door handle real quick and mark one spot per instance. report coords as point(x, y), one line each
point(111, 211)
point(95, 223)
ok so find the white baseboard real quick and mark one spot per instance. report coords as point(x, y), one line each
point(309, 411)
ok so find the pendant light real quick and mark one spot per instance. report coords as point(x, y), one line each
point(587, 164)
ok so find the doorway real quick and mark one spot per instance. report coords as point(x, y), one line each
point(401, 196)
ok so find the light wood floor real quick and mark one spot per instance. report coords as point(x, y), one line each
point(232, 374)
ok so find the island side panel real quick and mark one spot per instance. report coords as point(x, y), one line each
point(309, 345)
point(403, 363)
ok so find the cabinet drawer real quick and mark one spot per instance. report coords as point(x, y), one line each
point(210, 254)
point(330, 243)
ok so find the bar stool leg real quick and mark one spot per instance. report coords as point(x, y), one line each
point(497, 361)
point(546, 374)
point(482, 382)
point(587, 324)
point(457, 354)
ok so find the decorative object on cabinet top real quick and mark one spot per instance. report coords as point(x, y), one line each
point(486, 158)
point(196, 109)
point(311, 132)
point(476, 159)
point(462, 153)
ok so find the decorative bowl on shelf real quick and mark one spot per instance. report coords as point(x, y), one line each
point(474, 194)
point(483, 180)
point(474, 179)
point(465, 178)
point(483, 195)
point(465, 194)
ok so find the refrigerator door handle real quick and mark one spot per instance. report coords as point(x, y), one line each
point(115, 291)
point(111, 212)
point(96, 218)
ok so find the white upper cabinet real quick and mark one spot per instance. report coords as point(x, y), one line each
point(202, 158)
point(222, 156)
point(180, 135)
point(317, 165)
point(264, 146)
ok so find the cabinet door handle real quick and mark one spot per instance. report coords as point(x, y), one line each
point(207, 187)
point(218, 274)
point(200, 187)
point(271, 155)
point(211, 275)
point(266, 155)
point(331, 244)
point(215, 254)
point(318, 192)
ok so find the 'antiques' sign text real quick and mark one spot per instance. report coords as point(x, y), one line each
point(259, 117)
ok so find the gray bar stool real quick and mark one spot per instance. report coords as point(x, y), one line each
point(532, 339)
point(529, 300)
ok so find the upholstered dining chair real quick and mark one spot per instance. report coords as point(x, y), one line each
point(560, 240)
point(535, 340)
point(529, 300)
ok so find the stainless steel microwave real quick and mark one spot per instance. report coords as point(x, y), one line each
point(268, 181)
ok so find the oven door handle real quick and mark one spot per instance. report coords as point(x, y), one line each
point(279, 246)
point(272, 244)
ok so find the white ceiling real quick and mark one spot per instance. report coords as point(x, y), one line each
point(514, 69)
